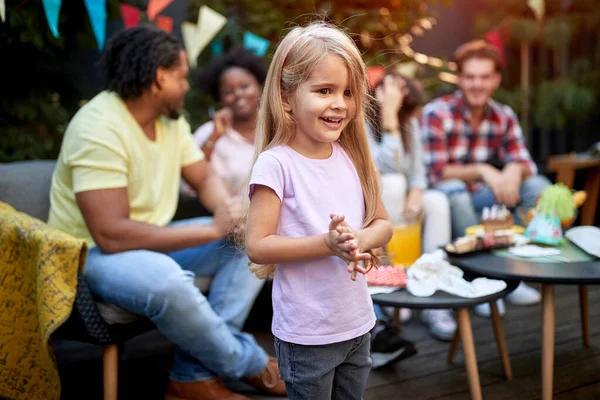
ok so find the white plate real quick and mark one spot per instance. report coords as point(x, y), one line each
point(586, 237)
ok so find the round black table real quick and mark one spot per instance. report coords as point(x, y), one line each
point(441, 300)
point(548, 274)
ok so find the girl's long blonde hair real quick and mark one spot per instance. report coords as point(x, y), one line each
point(296, 57)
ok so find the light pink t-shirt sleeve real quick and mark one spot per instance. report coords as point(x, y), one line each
point(202, 134)
point(267, 171)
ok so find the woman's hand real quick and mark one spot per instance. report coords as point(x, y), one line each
point(414, 202)
point(223, 120)
point(390, 96)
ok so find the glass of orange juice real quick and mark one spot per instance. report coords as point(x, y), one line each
point(405, 246)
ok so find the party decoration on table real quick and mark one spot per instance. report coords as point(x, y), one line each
point(97, 12)
point(532, 250)
point(387, 276)
point(52, 11)
point(555, 208)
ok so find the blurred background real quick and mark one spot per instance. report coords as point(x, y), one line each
point(551, 52)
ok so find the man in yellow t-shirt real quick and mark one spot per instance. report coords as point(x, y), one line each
point(116, 185)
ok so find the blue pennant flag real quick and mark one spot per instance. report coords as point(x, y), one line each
point(97, 11)
point(216, 47)
point(256, 44)
point(52, 10)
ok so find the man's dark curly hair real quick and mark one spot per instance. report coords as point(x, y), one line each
point(133, 55)
point(209, 79)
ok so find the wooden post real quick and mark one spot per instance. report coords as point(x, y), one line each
point(525, 93)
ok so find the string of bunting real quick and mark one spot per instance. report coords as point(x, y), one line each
point(196, 36)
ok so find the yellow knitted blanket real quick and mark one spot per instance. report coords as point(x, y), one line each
point(38, 279)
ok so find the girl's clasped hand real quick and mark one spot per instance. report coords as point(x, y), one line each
point(345, 243)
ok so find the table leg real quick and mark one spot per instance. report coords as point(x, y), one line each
point(585, 318)
point(566, 175)
point(396, 319)
point(466, 335)
point(548, 326)
point(592, 187)
point(500, 340)
point(453, 346)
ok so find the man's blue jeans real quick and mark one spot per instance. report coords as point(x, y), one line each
point(466, 207)
point(161, 287)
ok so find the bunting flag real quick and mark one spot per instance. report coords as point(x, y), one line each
point(155, 7)
point(493, 38)
point(256, 44)
point(164, 23)
point(97, 12)
point(538, 7)
point(2, 10)
point(52, 11)
point(216, 47)
point(197, 36)
point(375, 73)
point(131, 15)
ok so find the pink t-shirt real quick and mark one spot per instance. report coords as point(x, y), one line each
point(315, 302)
point(231, 157)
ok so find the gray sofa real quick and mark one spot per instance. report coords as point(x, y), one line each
point(26, 186)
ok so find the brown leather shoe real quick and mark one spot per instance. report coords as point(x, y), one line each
point(268, 380)
point(211, 389)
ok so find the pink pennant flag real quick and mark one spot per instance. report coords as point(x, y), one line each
point(155, 7)
point(164, 23)
point(131, 15)
point(493, 38)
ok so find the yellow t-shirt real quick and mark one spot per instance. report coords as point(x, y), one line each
point(104, 148)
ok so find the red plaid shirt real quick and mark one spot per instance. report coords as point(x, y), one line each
point(448, 139)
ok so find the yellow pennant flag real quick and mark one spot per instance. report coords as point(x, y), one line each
point(197, 37)
point(538, 7)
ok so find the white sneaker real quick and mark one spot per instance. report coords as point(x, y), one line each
point(441, 323)
point(524, 295)
point(405, 313)
point(484, 310)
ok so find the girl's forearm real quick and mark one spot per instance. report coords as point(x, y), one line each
point(376, 235)
point(275, 249)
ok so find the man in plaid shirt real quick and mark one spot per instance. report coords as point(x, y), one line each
point(474, 149)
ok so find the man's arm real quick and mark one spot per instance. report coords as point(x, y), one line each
point(468, 173)
point(513, 151)
point(106, 214)
point(211, 190)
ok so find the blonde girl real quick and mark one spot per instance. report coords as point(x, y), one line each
point(315, 213)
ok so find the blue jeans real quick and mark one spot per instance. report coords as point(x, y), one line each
point(466, 207)
point(161, 287)
point(333, 371)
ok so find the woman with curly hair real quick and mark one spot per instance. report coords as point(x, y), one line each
point(234, 79)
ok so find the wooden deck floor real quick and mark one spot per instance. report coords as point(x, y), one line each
point(145, 362)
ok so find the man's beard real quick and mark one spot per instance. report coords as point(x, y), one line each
point(173, 113)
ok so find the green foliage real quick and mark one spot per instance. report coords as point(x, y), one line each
point(565, 84)
point(558, 102)
point(32, 119)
